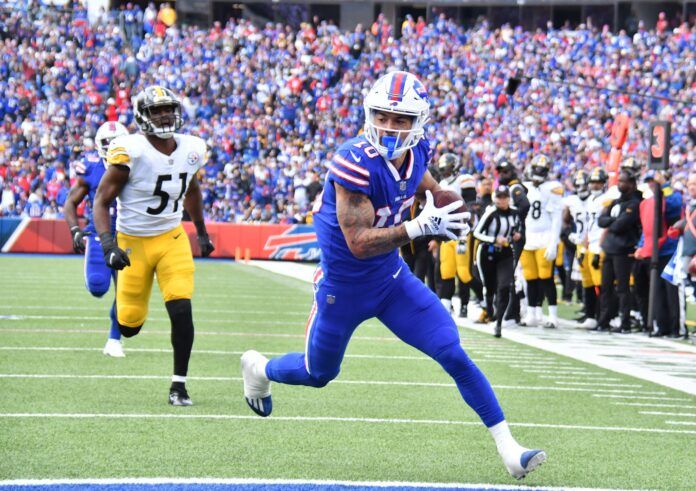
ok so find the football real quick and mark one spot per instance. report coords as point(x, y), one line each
point(444, 197)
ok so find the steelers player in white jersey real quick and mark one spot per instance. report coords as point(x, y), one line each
point(455, 257)
point(543, 234)
point(592, 273)
point(575, 213)
point(152, 174)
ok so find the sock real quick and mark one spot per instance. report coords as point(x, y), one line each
point(114, 332)
point(181, 319)
point(538, 313)
point(553, 312)
point(504, 441)
point(447, 303)
point(178, 378)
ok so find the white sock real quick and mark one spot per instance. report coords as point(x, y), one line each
point(503, 439)
point(447, 303)
point(178, 378)
point(553, 312)
point(538, 313)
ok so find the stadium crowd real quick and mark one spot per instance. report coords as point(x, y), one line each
point(272, 102)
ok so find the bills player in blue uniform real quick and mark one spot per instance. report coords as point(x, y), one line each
point(360, 222)
point(97, 275)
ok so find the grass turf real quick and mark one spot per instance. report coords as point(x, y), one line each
point(237, 307)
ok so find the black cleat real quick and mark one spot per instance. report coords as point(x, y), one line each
point(178, 395)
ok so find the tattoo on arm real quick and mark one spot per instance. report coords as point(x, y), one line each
point(356, 216)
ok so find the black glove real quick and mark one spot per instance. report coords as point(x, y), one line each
point(206, 246)
point(595, 261)
point(581, 258)
point(78, 236)
point(115, 257)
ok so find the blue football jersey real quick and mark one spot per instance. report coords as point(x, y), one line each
point(358, 167)
point(91, 169)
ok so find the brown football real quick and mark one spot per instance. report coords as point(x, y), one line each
point(444, 197)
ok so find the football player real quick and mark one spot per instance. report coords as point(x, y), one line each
point(457, 256)
point(507, 176)
point(543, 232)
point(98, 276)
point(362, 220)
point(576, 215)
point(593, 258)
point(153, 176)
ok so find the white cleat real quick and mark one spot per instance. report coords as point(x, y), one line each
point(529, 320)
point(589, 324)
point(257, 387)
point(114, 348)
point(524, 462)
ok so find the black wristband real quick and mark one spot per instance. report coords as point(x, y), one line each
point(107, 240)
point(200, 228)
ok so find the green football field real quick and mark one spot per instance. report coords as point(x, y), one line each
point(67, 411)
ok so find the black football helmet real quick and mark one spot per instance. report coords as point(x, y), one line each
point(580, 183)
point(161, 125)
point(540, 168)
point(631, 167)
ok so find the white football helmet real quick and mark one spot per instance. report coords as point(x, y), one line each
point(107, 132)
point(400, 93)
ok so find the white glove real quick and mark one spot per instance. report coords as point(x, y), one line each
point(615, 211)
point(574, 238)
point(438, 221)
point(551, 251)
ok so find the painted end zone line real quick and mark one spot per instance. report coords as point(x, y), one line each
point(280, 483)
point(332, 419)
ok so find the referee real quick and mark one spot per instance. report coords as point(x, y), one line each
point(498, 229)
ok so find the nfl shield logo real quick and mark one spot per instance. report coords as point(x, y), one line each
point(402, 186)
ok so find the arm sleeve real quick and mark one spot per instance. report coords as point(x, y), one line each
point(626, 220)
point(519, 198)
point(605, 219)
point(482, 227)
point(344, 170)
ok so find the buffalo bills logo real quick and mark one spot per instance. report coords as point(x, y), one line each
point(420, 90)
point(298, 243)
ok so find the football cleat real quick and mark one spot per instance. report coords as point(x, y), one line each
point(257, 387)
point(527, 461)
point(179, 397)
point(114, 348)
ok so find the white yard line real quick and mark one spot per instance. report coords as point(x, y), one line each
point(333, 419)
point(650, 404)
point(661, 413)
point(335, 382)
point(154, 481)
point(642, 397)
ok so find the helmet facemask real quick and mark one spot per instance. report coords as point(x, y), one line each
point(393, 143)
point(163, 125)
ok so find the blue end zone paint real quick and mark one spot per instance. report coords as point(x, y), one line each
point(7, 226)
point(235, 487)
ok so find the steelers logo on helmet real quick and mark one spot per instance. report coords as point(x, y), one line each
point(396, 93)
point(107, 132)
point(540, 168)
point(580, 183)
point(157, 111)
